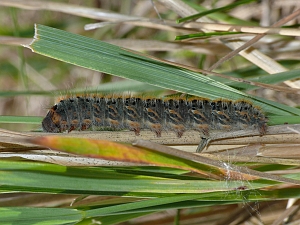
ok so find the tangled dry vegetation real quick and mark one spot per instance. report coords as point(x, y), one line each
point(252, 46)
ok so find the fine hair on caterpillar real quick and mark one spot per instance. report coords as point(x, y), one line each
point(156, 114)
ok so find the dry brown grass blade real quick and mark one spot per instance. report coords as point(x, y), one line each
point(67, 8)
point(193, 137)
point(278, 129)
point(254, 40)
point(170, 138)
point(241, 215)
point(93, 13)
point(275, 134)
point(15, 141)
point(287, 213)
point(287, 138)
point(245, 29)
point(287, 151)
point(155, 45)
point(273, 130)
point(151, 23)
point(14, 41)
point(64, 159)
point(9, 133)
point(264, 62)
point(182, 9)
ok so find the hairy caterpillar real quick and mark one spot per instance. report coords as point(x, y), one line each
point(157, 115)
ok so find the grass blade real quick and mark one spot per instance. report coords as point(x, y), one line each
point(230, 6)
point(104, 57)
point(23, 215)
point(21, 119)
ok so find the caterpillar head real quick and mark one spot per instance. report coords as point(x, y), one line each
point(51, 122)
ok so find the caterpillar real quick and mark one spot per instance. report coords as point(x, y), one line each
point(155, 114)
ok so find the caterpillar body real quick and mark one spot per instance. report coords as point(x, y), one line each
point(157, 115)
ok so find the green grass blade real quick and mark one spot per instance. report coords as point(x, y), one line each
point(34, 182)
point(21, 119)
point(113, 219)
point(104, 57)
point(265, 78)
point(30, 176)
point(230, 6)
point(204, 35)
point(190, 200)
point(220, 16)
point(23, 93)
point(108, 58)
point(26, 216)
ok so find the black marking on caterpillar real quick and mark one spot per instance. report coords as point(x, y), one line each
point(157, 115)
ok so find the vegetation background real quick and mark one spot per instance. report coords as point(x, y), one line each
point(30, 83)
